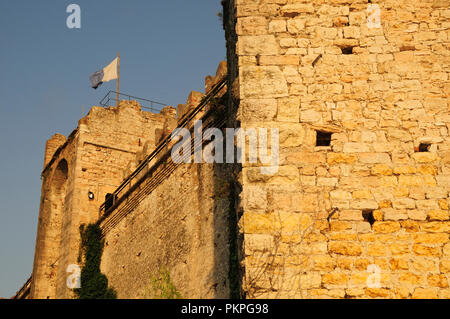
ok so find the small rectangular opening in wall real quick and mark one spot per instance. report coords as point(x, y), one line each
point(407, 48)
point(316, 60)
point(424, 147)
point(347, 50)
point(108, 201)
point(368, 216)
point(323, 138)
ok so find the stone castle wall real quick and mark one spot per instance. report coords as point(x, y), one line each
point(371, 206)
point(366, 216)
point(180, 227)
point(92, 159)
point(176, 220)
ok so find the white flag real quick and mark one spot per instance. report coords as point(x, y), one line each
point(110, 72)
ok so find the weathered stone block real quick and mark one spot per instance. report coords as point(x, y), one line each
point(443, 181)
point(425, 157)
point(352, 32)
point(386, 227)
point(364, 204)
point(277, 26)
point(288, 109)
point(436, 227)
point(374, 158)
point(395, 214)
point(422, 250)
point(279, 60)
point(399, 264)
point(444, 266)
point(434, 215)
point(417, 215)
point(327, 181)
point(291, 135)
point(296, 26)
point(323, 263)
point(285, 175)
point(345, 248)
point(255, 198)
point(258, 109)
point(310, 116)
point(362, 194)
point(338, 279)
point(410, 181)
point(401, 170)
point(254, 25)
point(381, 169)
point(404, 203)
point(340, 195)
point(258, 243)
point(263, 82)
point(258, 45)
point(339, 158)
point(424, 293)
point(291, 10)
point(357, 18)
point(257, 223)
point(356, 148)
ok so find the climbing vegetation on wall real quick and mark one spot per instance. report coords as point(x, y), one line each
point(94, 284)
point(161, 286)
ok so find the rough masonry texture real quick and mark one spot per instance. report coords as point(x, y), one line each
point(315, 66)
point(181, 224)
point(92, 159)
point(359, 206)
point(177, 219)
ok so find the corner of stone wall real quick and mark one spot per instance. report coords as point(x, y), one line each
point(234, 170)
point(55, 142)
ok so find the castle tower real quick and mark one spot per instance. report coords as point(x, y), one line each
point(78, 173)
point(360, 93)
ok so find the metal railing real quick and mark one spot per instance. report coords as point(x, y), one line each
point(136, 178)
point(110, 99)
point(24, 291)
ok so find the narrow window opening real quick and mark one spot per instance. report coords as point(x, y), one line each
point(407, 48)
point(108, 201)
point(323, 138)
point(347, 50)
point(424, 147)
point(368, 216)
point(316, 59)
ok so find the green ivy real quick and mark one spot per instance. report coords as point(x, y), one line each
point(161, 286)
point(94, 284)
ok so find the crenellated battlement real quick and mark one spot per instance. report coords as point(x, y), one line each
point(81, 170)
point(358, 206)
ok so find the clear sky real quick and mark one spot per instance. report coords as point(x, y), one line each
point(166, 47)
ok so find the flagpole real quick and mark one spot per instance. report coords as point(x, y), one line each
point(118, 77)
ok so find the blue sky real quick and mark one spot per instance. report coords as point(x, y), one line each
point(166, 47)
